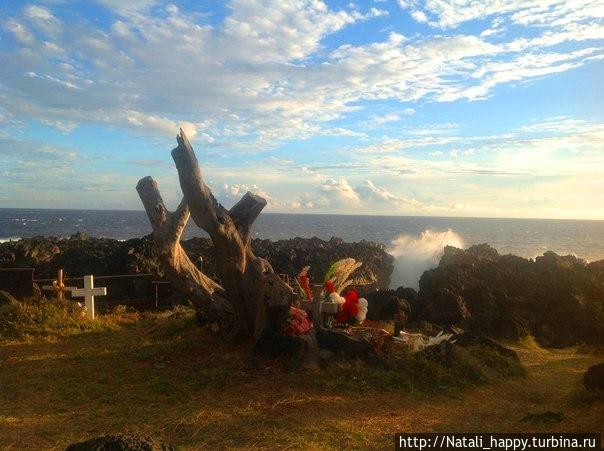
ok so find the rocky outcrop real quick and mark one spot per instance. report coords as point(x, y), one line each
point(81, 255)
point(594, 378)
point(289, 256)
point(557, 299)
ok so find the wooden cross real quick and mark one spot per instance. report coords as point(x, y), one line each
point(88, 293)
point(58, 286)
point(317, 306)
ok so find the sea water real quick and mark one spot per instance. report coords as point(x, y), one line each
point(416, 242)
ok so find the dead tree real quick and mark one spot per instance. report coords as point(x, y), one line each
point(248, 283)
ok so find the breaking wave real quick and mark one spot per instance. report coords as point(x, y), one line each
point(413, 255)
point(6, 240)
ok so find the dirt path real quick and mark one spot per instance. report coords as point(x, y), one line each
point(199, 397)
point(553, 383)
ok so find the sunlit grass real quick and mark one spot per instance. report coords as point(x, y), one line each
point(160, 374)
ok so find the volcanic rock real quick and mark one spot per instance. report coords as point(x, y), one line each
point(594, 378)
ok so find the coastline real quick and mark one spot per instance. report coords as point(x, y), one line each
point(527, 238)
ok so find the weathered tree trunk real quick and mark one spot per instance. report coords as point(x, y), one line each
point(205, 294)
point(248, 283)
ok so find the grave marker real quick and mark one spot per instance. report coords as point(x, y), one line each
point(317, 306)
point(58, 286)
point(88, 293)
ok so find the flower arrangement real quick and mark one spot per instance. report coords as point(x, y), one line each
point(353, 309)
point(339, 272)
point(304, 283)
point(297, 322)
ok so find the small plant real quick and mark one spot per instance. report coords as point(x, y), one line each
point(339, 273)
point(36, 317)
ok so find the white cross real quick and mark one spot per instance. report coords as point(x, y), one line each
point(88, 293)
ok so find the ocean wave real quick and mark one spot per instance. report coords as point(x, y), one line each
point(6, 240)
point(415, 254)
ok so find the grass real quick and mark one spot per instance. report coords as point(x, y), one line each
point(528, 342)
point(159, 374)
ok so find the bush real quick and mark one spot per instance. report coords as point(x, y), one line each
point(44, 318)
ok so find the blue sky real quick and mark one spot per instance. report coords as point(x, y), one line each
point(401, 107)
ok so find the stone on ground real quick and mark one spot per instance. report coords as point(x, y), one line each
point(121, 442)
point(594, 378)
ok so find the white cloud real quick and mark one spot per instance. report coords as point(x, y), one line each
point(127, 7)
point(263, 76)
point(419, 16)
point(373, 195)
point(20, 32)
point(339, 195)
point(38, 13)
point(230, 194)
point(279, 31)
point(451, 13)
point(43, 19)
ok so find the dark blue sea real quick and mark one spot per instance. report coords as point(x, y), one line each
point(524, 237)
point(416, 242)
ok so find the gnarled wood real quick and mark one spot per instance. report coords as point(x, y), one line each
point(203, 292)
point(245, 212)
point(248, 283)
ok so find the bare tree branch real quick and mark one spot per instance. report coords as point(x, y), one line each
point(245, 212)
point(250, 284)
point(205, 209)
point(168, 227)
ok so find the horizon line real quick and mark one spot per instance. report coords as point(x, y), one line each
point(328, 214)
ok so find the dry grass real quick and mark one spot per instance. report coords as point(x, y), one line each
point(159, 375)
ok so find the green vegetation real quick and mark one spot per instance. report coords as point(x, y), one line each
point(48, 318)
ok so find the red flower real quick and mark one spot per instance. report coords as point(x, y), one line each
point(297, 323)
point(350, 308)
point(304, 281)
point(329, 286)
point(352, 295)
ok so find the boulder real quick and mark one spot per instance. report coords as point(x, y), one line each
point(593, 379)
point(446, 308)
point(557, 299)
point(385, 305)
point(121, 442)
point(343, 344)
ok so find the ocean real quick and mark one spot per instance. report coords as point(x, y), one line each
point(416, 242)
point(524, 237)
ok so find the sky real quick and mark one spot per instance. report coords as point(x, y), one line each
point(386, 107)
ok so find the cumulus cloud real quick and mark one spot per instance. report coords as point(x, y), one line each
point(230, 194)
point(339, 194)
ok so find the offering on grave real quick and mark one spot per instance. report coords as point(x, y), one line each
point(304, 283)
point(296, 322)
point(346, 310)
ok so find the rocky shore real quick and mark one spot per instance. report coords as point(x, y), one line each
point(558, 300)
point(79, 255)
